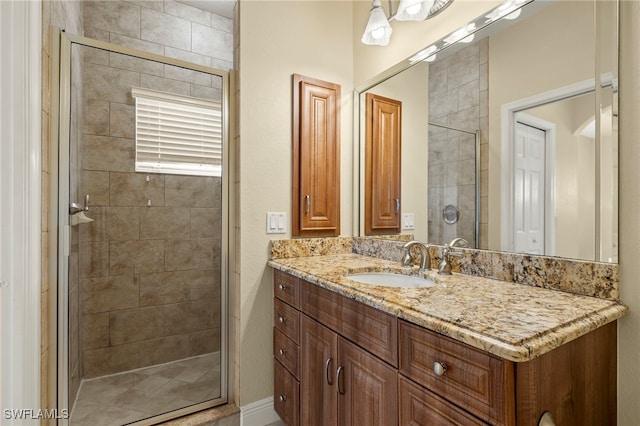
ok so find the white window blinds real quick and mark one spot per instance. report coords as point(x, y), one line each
point(177, 134)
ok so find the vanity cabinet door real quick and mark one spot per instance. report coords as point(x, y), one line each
point(382, 165)
point(319, 360)
point(367, 388)
point(316, 157)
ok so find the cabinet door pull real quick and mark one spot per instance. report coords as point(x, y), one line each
point(282, 398)
point(308, 202)
point(339, 380)
point(281, 319)
point(282, 287)
point(327, 363)
point(546, 420)
point(397, 205)
point(281, 352)
point(439, 368)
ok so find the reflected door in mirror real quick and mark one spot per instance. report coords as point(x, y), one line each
point(382, 165)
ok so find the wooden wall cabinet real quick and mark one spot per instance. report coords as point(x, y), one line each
point(340, 362)
point(382, 165)
point(316, 157)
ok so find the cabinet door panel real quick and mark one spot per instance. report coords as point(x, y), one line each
point(318, 395)
point(286, 319)
point(382, 165)
point(286, 352)
point(316, 157)
point(367, 388)
point(286, 288)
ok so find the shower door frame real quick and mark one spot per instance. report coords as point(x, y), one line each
point(60, 200)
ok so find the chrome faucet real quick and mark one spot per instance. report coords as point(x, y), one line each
point(444, 268)
point(425, 259)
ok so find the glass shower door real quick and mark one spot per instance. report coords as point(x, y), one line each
point(146, 290)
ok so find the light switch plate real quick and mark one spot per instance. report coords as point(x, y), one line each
point(276, 222)
point(408, 221)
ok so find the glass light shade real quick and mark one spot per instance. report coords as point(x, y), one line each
point(378, 30)
point(413, 10)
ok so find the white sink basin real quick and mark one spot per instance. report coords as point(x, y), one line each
point(388, 279)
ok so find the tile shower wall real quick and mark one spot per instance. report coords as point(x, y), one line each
point(150, 277)
point(458, 96)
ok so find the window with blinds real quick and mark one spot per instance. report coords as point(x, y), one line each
point(177, 134)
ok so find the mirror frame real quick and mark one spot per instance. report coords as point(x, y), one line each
point(605, 78)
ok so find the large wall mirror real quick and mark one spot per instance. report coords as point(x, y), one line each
point(509, 132)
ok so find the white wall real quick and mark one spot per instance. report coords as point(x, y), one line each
point(277, 39)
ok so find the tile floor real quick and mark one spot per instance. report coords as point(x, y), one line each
point(127, 397)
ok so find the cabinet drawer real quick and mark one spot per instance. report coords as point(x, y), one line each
point(373, 330)
point(286, 396)
point(420, 407)
point(286, 288)
point(285, 350)
point(473, 379)
point(286, 319)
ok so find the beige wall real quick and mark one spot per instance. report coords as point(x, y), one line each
point(629, 326)
point(519, 59)
point(278, 39)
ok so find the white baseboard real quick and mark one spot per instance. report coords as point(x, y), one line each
point(259, 413)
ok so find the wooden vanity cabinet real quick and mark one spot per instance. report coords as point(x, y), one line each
point(341, 362)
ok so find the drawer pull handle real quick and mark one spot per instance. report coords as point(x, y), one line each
point(282, 287)
point(439, 368)
point(327, 363)
point(282, 398)
point(281, 351)
point(281, 319)
point(338, 379)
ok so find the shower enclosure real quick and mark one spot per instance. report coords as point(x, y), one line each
point(453, 185)
point(142, 293)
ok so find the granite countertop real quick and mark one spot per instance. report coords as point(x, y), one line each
point(514, 321)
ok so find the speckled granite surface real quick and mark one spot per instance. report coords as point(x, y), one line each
point(515, 322)
point(570, 275)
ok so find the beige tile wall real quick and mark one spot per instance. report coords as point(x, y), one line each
point(150, 275)
point(458, 95)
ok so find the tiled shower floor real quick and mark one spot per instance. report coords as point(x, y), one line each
point(135, 395)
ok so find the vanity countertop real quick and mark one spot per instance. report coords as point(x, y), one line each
point(514, 321)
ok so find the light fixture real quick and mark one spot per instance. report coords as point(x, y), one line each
point(414, 10)
point(464, 34)
point(378, 30)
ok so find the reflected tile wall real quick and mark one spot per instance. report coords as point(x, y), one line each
point(458, 97)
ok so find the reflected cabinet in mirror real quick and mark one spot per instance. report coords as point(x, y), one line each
point(509, 136)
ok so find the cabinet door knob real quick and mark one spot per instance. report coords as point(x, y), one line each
point(281, 351)
point(282, 287)
point(282, 398)
point(439, 368)
point(281, 319)
point(546, 420)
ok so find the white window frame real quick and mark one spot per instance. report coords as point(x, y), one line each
point(155, 140)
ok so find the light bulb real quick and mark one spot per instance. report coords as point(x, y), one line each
point(412, 10)
point(378, 33)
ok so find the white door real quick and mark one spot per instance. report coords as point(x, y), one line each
point(529, 187)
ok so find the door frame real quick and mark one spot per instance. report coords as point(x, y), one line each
point(510, 113)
